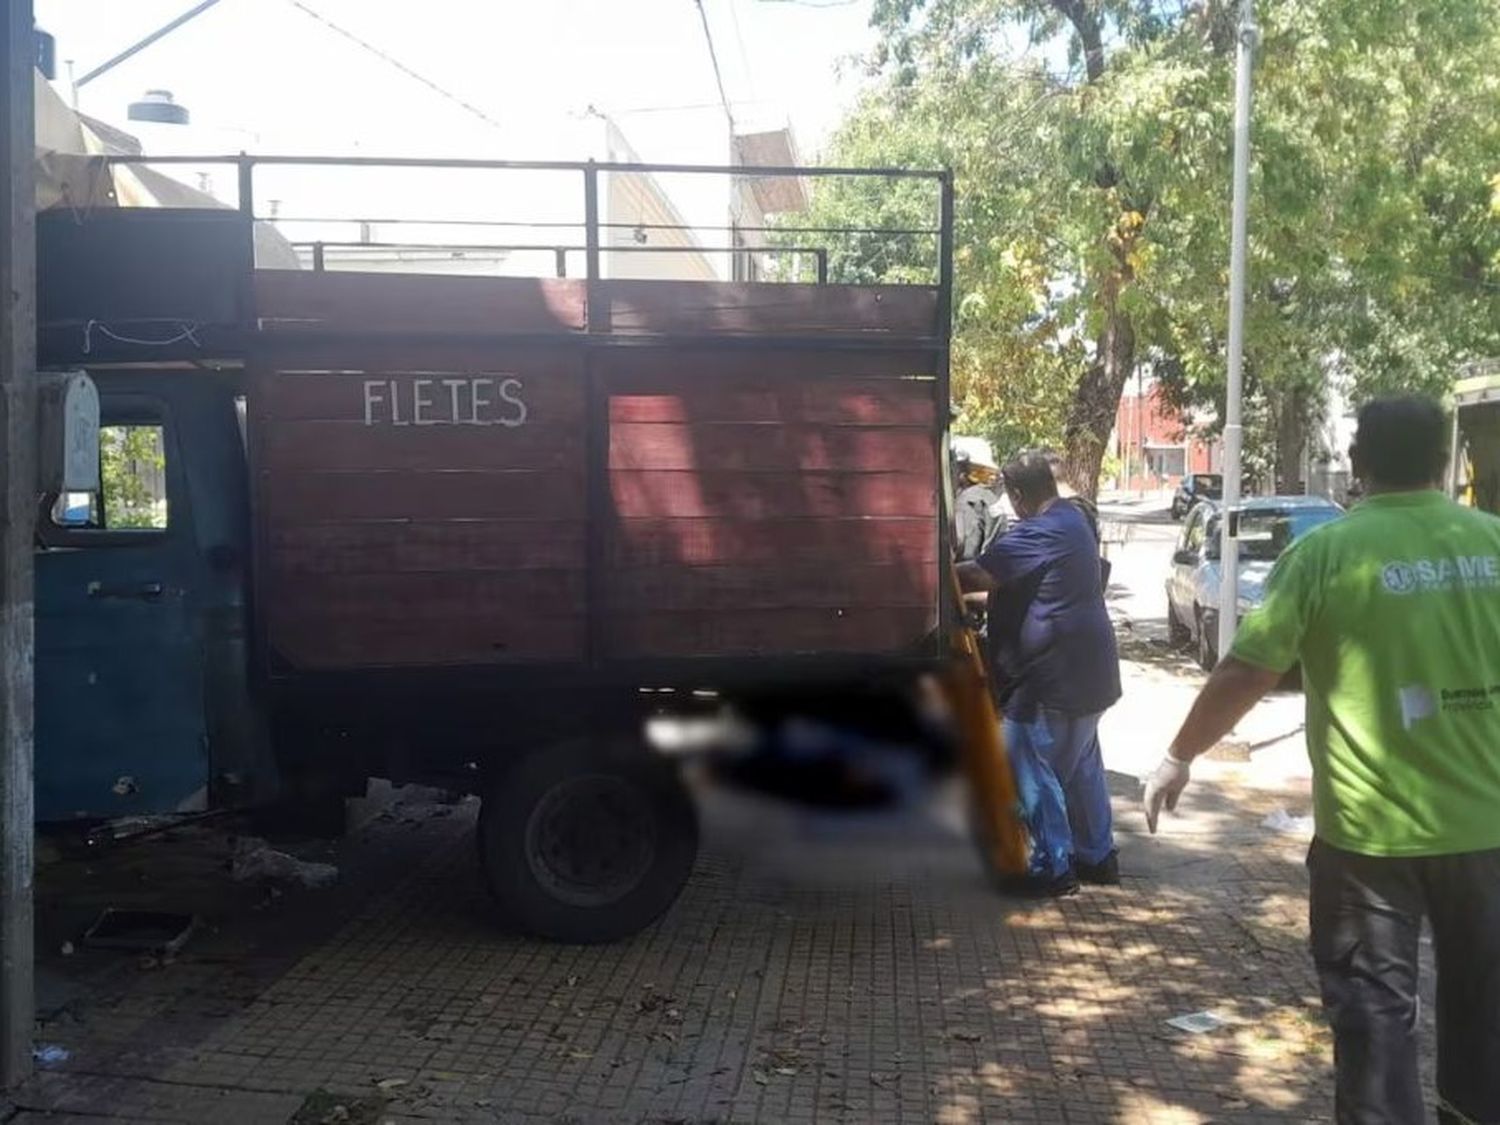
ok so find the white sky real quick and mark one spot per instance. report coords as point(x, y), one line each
point(265, 76)
point(282, 81)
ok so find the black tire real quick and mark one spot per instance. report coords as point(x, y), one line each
point(1178, 634)
point(586, 843)
point(1208, 649)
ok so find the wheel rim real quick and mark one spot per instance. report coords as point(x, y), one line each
point(591, 840)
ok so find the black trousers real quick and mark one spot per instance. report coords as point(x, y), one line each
point(1366, 915)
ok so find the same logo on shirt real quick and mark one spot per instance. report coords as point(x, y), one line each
point(1464, 572)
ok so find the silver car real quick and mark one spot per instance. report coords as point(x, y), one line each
point(1268, 526)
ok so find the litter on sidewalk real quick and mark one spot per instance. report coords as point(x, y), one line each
point(141, 931)
point(255, 859)
point(1282, 821)
point(1197, 1023)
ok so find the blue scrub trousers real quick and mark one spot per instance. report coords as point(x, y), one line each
point(1064, 796)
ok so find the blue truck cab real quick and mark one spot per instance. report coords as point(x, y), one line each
point(142, 695)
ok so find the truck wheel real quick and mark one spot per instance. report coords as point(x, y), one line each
point(586, 843)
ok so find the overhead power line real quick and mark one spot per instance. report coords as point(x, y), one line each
point(466, 106)
point(739, 39)
point(713, 57)
point(141, 44)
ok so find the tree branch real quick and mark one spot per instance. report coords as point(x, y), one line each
point(1090, 34)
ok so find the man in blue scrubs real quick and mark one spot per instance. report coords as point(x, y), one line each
point(1053, 656)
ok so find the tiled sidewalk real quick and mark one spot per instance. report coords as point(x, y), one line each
point(819, 968)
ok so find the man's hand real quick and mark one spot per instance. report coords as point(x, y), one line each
point(1164, 787)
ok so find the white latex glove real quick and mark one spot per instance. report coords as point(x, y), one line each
point(1164, 786)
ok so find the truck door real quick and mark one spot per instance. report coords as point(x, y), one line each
point(120, 723)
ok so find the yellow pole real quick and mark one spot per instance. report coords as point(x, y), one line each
point(995, 805)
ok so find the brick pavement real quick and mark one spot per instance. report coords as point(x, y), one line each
point(819, 968)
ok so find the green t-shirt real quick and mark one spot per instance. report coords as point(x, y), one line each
point(1394, 612)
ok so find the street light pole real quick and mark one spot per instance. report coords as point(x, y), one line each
point(1229, 551)
point(17, 517)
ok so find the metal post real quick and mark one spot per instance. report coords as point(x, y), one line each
point(1229, 552)
point(821, 256)
point(949, 608)
point(1455, 453)
point(945, 254)
point(17, 517)
point(245, 185)
point(319, 261)
point(1140, 429)
point(595, 312)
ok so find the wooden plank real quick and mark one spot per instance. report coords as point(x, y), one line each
point(738, 587)
point(761, 308)
point(335, 498)
point(351, 446)
point(306, 301)
point(833, 541)
point(665, 370)
point(714, 447)
point(836, 402)
point(363, 619)
point(319, 641)
point(771, 496)
point(403, 547)
point(766, 632)
point(517, 595)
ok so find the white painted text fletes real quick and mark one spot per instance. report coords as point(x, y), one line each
point(449, 400)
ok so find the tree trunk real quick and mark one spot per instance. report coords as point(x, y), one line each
point(1291, 440)
point(1096, 402)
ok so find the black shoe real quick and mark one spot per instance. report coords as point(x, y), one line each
point(1033, 887)
point(1105, 873)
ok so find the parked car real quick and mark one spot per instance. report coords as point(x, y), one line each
point(1194, 489)
point(1268, 525)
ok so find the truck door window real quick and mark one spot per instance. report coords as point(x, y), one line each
point(132, 492)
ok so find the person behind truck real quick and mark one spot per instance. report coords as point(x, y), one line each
point(1394, 613)
point(1086, 507)
point(1056, 673)
point(977, 517)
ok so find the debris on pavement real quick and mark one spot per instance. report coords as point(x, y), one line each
point(1282, 821)
point(162, 932)
point(254, 859)
point(1198, 1023)
point(49, 1054)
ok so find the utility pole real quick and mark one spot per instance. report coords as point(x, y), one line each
point(1229, 551)
point(17, 516)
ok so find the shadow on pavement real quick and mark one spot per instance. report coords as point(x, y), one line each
point(843, 967)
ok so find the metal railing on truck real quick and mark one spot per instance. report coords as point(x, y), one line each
point(898, 253)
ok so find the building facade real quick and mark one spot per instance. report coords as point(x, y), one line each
point(1153, 445)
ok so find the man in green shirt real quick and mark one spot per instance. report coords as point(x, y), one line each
point(1394, 614)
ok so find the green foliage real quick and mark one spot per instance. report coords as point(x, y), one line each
point(132, 460)
point(1096, 196)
